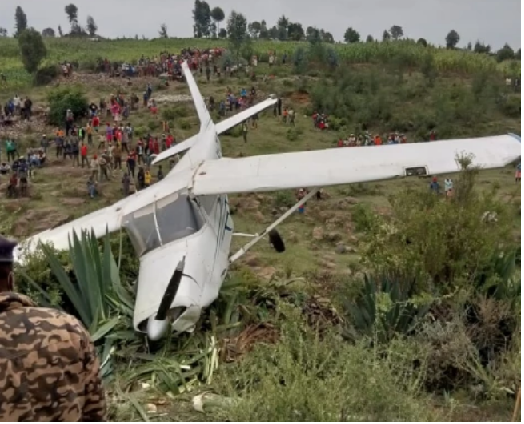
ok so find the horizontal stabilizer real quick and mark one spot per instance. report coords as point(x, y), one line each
point(220, 127)
point(229, 123)
point(176, 149)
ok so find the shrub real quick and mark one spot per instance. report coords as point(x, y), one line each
point(46, 75)
point(185, 124)
point(63, 98)
point(511, 107)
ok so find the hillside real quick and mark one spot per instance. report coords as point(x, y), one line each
point(381, 87)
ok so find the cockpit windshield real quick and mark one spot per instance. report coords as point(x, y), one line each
point(167, 220)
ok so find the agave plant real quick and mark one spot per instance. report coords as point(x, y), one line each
point(100, 299)
point(500, 279)
point(384, 308)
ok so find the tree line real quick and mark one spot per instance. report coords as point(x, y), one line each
point(76, 30)
point(207, 22)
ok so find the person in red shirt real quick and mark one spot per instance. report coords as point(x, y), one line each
point(83, 153)
point(340, 143)
point(169, 141)
point(151, 146)
point(96, 123)
point(156, 148)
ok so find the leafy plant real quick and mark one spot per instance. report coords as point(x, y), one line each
point(62, 99)
point(385, 308)
point(100, 299)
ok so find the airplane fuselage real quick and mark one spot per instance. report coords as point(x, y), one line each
point(201, 230)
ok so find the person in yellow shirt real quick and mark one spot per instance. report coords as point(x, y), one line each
point(147, 178)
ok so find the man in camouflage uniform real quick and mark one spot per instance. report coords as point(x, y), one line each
point(49, 370)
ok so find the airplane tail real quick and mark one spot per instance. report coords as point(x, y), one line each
point(200, 104)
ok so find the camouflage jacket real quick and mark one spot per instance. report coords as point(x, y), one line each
point(49, 370)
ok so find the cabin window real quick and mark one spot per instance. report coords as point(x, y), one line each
point(416, 171)
point(175, 216)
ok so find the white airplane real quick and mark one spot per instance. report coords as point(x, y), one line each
point(181, 227)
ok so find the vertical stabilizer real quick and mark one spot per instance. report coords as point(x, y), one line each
point(198, 100)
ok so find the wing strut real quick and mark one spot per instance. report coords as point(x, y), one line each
point(258, 237)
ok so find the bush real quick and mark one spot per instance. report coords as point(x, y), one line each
point(46, 75)
point(511, 107)
point(172, 113)
point(185, 124)
point(363, 217)
point(446, 241)
point(63, 98)
point(153, 125)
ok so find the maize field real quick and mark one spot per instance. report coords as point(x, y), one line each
point(86, 52)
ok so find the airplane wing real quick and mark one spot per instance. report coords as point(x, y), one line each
point(348, 165)
point(220, 128)
point(110, 218)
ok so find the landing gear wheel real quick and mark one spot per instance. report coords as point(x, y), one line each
point(276, 241)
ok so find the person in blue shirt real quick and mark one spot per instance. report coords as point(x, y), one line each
point(517, 174)
point(435, 186)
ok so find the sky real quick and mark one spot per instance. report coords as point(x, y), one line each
point(490, 21)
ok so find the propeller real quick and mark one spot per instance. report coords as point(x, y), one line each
point(171, 291)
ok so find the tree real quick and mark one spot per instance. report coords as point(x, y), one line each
point(517, 54)
point(3, 32)
point(264, 33)
point(295, 31)
point(91, 26)
point(469, 46)
point(505, 53)
point(72, 13)
point(327, 37)
point(282, 26)
point(482, 48)
point(163, 31)
point(452, 39)
point(237, 30)
point(218, 15)
point(351, 36)
point(369, 38)
point(422, 41)
point(202, 19)
point(60, 31)
point(254, 29)
point(273, 33)
point(222, 33)
point(386, 36)
point(396, 32)
point(32, 49)
point(48, 32)
point(20, 20)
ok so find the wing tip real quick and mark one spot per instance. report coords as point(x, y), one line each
point(515, 136)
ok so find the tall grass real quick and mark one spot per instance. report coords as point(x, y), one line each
point(305, 378)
